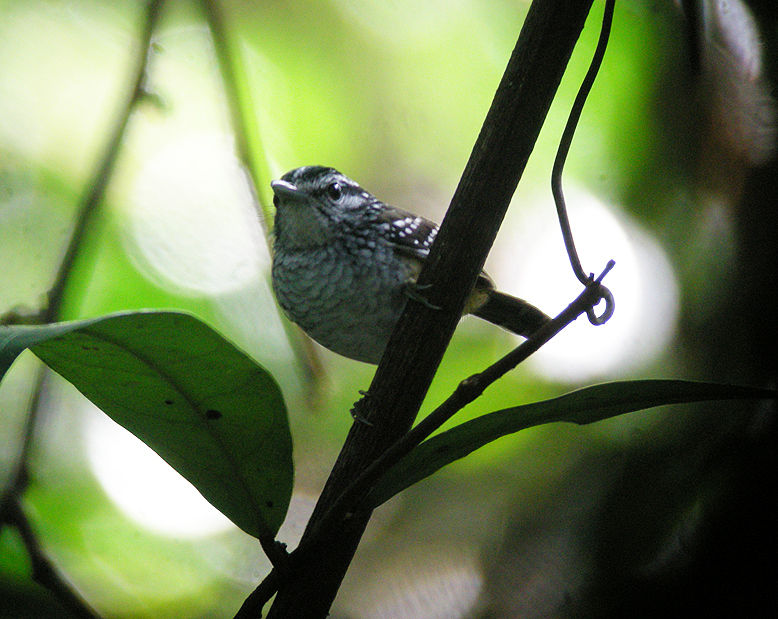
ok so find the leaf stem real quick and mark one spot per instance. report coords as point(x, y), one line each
point(91, 201)
point(421, 335)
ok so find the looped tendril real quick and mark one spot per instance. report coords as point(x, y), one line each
point(559, 163)
point(604, 294)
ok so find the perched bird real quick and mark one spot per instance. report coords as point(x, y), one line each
point(345, 264)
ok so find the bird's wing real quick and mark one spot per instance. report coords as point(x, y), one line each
point(412, 236)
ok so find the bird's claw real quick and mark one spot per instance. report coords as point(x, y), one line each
point(413, 291)
point(355, 414)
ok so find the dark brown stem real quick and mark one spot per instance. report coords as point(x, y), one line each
point(498, 159)
point(255, 602)
point(467, 391)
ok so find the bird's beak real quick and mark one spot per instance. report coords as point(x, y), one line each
point(287, 191)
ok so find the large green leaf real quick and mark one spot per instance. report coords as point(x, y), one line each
point(583, 406)
point(207, 408)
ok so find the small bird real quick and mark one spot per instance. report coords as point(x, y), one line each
point(345, 264)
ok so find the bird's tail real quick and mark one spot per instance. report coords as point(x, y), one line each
point(511, 313)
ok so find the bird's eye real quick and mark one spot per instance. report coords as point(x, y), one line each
point(335, 191)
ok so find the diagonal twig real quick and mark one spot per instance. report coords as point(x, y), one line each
point(465, 393)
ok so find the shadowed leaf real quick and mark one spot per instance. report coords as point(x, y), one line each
point(583, 406)
point(207, 408)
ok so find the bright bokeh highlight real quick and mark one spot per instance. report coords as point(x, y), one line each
point(642, 282)
point(192, 218)
point(143, 486)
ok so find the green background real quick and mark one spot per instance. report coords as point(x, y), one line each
point(559, 520)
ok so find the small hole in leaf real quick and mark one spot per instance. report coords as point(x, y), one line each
point(212, 414)
point(168, 402)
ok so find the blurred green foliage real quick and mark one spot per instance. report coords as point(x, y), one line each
point(551, 520)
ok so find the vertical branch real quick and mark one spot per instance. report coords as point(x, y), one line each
point(418, 342)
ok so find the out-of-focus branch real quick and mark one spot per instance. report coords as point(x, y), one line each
point(43, 571)
point(255, 168)
point(11, 511)
point(96, 186)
